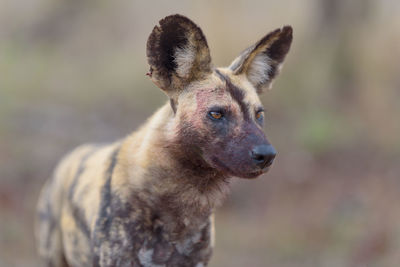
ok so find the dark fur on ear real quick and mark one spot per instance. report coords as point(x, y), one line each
point(261, 62)
point(177, 53)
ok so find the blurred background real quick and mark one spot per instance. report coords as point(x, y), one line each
point(73, 71)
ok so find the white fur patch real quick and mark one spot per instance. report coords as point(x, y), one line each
point(184, 247)
point(258, 69)
point(196, 237)
point(145, 257)
point(184, 59)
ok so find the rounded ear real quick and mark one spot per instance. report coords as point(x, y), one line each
point(177, 53)
point(262, 61)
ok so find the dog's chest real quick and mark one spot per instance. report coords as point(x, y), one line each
point(154, 248)
point(194, 250)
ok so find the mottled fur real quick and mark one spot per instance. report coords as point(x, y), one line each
point(147, 200)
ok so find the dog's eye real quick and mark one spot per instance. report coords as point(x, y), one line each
point(215, 115)
point(260, 115)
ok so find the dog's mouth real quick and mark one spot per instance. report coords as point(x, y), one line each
point(246, 175)
point(253, 175)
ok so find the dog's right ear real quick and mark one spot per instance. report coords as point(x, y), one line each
point(261, 62)
point(177, 53)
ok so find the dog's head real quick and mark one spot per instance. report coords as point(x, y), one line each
point(218, 114)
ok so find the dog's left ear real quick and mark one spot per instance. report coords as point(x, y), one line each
point(177, 53)
point(261, 62)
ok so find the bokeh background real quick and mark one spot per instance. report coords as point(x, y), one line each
point(73, 71)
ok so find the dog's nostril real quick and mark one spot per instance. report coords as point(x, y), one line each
point(258, 157)
point(263, 155)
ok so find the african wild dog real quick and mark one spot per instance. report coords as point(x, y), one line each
point(148, 199)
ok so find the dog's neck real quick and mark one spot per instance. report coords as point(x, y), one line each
point(180, 188)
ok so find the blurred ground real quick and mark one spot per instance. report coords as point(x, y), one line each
point(73, 71)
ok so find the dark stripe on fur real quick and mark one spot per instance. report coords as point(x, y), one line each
point(80, 221)
point(53, 221)
point(79, 172)
point(173, 105)
point(104, 219)
point(237, 94)
point(221, 76)
point(106, 191)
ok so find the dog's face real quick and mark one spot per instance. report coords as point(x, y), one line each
point(218, 114)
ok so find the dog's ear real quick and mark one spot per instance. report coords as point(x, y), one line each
point(177, 53)
point(261, 62)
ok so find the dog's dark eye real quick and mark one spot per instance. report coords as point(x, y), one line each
point(215, 115)
point(260, 115)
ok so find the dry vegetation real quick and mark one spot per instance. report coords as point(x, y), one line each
point(73, 71)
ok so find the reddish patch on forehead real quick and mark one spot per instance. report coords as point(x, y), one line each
point(203, 99)
point(205, 96)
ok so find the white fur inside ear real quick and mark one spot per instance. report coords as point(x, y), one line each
point(258, 69)
point(280, 66)
point(184, 59)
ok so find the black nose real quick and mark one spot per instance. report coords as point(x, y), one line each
point(263, 155)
